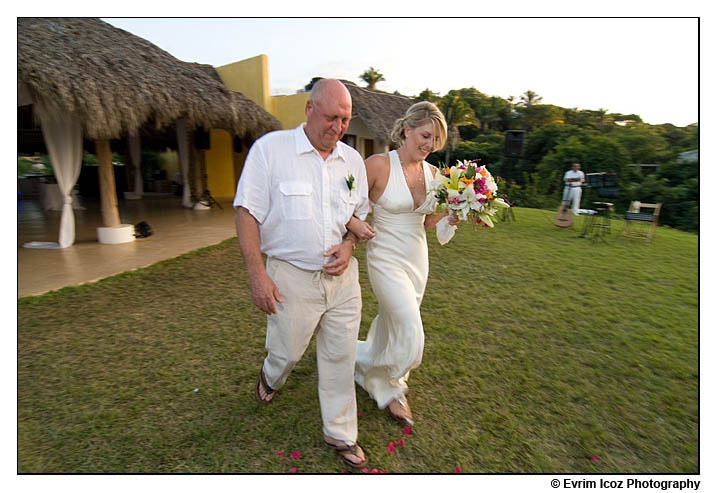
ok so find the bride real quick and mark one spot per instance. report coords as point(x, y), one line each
point(397, 256)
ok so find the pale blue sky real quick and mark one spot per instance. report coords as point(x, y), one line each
point(643, 66)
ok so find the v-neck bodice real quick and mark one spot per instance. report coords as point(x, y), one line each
point(397, 198)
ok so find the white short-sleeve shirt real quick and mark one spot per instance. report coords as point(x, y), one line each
point(301, 201)
point(574, 174)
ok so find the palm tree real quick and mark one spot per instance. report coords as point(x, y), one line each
point(371, 77)
point(427, 95)
point(457, 113)
point(529, 97)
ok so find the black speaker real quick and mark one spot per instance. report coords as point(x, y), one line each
point(237, 144)
point(595, 180)
point(201, 139)
point(514, 143)
point(609, 180)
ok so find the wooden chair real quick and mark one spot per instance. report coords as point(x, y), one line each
point(634, 215)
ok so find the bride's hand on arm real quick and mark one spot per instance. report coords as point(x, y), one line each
point(360, 228)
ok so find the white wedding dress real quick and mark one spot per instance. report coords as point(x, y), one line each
point(398, 265)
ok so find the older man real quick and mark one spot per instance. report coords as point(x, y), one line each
point(297, 191)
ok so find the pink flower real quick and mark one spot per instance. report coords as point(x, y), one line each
point(365, 470)
point(360, 414)
point(296, 454)
point(594, 459)
point(401, 443)
point(390, 450)
point(407, 430)
point(293, 470)
point(280, 453)
point(382, 471)
point(458, 469)
point(391, 444)
point(374, 471)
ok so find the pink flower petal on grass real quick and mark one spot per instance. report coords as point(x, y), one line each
point(401, 443)
point(458, 469)
point(391, 444)
point(407, 430)
point(594, 459)
point(365, 470)
point(374, 471)
point(382, 471)
point(390, 450)
point(296, 454)
point(293, 470)
point(280, 453)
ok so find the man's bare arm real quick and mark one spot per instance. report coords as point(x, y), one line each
point(264, 291)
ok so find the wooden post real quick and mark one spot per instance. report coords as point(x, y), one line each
point(108, 194)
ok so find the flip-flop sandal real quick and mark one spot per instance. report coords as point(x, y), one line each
point(404, 420)
point(269, 391)
point(349, 450)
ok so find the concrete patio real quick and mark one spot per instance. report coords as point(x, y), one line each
point(177, 230)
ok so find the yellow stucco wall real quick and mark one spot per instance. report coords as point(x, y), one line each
point(250, 77)
point(219, 162)
point(290, 109)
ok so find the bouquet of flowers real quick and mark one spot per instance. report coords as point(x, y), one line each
point(470, 191)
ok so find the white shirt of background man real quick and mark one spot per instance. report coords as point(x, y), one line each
point(574, 174)
point(301, 201)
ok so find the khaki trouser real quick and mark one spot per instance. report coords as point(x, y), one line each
point(312, 299)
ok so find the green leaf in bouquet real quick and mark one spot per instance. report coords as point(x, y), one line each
point(485, 218)
point(470, 173)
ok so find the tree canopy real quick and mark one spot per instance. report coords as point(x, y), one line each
point(555, 137)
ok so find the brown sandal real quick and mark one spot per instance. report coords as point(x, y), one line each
point(404, 420)
point(345, 450)
point(269, 391)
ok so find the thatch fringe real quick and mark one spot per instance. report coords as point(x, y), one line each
point(115, 81)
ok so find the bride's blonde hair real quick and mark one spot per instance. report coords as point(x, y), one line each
point(417, 115)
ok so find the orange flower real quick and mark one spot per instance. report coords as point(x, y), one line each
point(467, 181)
point(489, 196)
point(482, 172)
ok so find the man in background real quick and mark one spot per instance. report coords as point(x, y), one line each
point(573, 179)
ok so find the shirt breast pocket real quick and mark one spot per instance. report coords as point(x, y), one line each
point(350, 199)
point(296, 199)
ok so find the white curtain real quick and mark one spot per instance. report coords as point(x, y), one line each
point(183, 151)
point(63, 138)
point(134, 141)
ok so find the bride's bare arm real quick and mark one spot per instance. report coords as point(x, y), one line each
point(377, 175)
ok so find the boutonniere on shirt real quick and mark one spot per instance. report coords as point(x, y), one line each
point(350, 183)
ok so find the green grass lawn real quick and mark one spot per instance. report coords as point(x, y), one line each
point(542, 350)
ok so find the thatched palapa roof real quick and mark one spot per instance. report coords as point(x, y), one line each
point(378, 109)
point(116, 82)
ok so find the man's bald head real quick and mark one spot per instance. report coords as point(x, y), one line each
point(325, 89)
point(328, 112)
